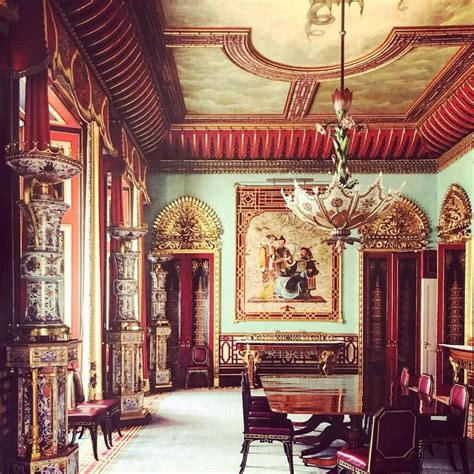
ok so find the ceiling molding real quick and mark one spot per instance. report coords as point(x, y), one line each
point(238, 46)
point(108, 33)
point(293, 166)
point(456, 152)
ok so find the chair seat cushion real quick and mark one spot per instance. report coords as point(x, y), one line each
point(198, 368)
point(85, 414)
point(358, 457)
point(107, 403)
point(271, 429)
point(261, 413)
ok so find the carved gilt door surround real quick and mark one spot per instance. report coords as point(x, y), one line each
point(187, 229)
point(390, 289)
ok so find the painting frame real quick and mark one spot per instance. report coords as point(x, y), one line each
point(257, 202)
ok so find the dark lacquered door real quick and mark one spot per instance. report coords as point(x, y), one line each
point(391, 319)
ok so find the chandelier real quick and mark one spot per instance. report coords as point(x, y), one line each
point(341, 207)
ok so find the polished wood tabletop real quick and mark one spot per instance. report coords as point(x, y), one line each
point(342, 395)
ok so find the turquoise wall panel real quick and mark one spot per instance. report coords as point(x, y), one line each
point(218, 191)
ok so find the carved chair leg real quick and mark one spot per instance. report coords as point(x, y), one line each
point(116, 420)
point(464, 458)
point(109, 425)
point(93, 431)
point(421, 451)
point(105, 433)
point(81, 434)
point(74, 434)
point(449, 446)
point(430, 450)
point(245, 446)
point(288, 445)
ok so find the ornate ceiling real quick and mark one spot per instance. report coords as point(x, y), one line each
point(247, 79)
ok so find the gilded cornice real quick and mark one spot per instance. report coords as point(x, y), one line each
point(456, 152)
point(292, 166)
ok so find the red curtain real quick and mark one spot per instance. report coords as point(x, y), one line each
point(36, 111)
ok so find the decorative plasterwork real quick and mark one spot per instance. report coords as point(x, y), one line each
point(404, 227)
point(456, 152)
point(455, 216)
point(267, 142)
point(187, 223)
point(107, 34)
point(292, 166)
point(238, 46)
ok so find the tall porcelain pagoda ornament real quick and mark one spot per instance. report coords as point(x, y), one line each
point(41, 352)
point(340, 207)
point(126, 336)
point(160, 328)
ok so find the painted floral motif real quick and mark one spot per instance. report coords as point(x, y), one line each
point(46, 166)
point(49, 356)
point(45, 415)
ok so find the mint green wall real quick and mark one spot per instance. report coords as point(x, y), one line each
point(217, 190)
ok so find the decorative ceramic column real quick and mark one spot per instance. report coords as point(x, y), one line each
point(126, 337)
point(159, 329)
point(42, 350)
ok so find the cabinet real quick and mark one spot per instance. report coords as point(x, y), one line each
point(391, 312)
point(451, 309)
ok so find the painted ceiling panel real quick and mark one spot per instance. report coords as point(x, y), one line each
point(391, 89)
point(212, 84)
point(302, 33)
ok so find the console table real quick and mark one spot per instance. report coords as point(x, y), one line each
point(461, 357)
point(252, 352)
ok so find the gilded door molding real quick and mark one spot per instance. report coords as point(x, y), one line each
point(455, 216)
point(404, 227)
point(188, 225)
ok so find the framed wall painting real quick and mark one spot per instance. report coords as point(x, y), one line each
point(284, 270)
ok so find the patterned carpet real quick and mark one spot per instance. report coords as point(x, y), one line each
point(108, 456)
point(200, 431)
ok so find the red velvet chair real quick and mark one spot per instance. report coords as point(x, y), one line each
point(111, 406)
point(91, 418)
point(405, 377)
point(393, 446)
point(265, 430)
point(451, 431)
point(200, 364)
point(425, 385)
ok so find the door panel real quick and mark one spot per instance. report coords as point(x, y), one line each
point(189, 308)
point(391, 312)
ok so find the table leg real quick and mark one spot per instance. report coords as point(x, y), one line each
point(336, 430)
point(312, 424)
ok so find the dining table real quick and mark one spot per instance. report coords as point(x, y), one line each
point(332, 398)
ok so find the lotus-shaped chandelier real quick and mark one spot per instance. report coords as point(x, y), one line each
point(341, 207)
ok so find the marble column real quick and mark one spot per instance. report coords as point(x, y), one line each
point(42, 348)
point(125, 338)
point(159, 328)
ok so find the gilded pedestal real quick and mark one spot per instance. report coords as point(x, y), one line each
point(41, 436)
point(126, 336)
point(41, 352)
point(159, 328)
